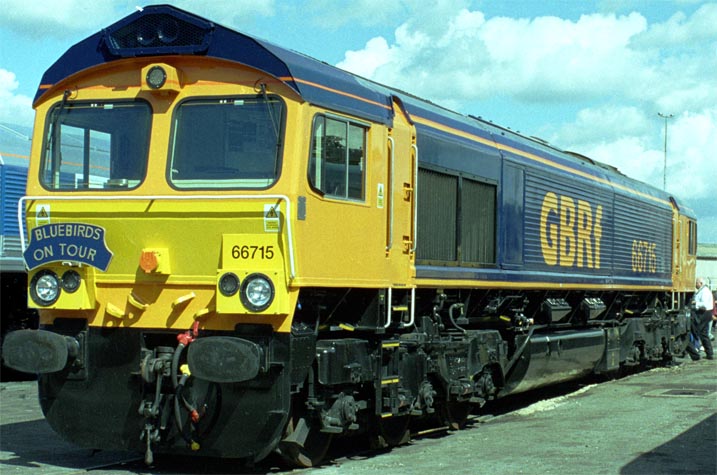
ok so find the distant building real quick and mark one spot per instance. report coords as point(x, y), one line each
point(15, 141)
point(707, 263)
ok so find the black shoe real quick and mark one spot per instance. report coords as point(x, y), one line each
point(711, 357)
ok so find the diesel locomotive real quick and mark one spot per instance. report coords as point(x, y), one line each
point(237, 250)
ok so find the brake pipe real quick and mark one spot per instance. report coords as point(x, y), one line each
point(184, 340)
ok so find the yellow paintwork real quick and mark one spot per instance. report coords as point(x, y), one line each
point(339, 243)
point(343, 243)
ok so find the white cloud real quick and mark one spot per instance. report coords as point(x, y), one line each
point(692, 154)
point(62, 19)
point(69, 18)
point(335, 14)
point(631, 155)
point(365, 62)
point(628, 140)
point(463, 56)
point(605, 123)
point(14, 108)
point(681, 30)
point(230, 13)
point(540, 59)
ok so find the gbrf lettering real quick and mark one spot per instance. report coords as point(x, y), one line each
point(570, 232)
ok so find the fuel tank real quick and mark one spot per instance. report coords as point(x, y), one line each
point(556, 357)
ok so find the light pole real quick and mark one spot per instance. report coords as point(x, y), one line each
point(664, 167)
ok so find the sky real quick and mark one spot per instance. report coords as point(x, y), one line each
point(590, 76)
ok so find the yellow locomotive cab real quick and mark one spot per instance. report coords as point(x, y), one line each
point(162, 256)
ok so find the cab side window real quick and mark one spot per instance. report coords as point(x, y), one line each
point(337, 165)
point(692, 238)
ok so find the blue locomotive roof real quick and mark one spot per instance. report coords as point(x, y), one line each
point(167, 30)
point(313, 80)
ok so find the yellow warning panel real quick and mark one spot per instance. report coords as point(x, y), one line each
point(272, 218)
point(42, 214)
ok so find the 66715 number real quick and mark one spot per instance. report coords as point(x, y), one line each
point(252, 252)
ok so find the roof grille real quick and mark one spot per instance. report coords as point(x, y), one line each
point(158, 33)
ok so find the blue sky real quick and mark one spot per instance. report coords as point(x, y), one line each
point(587, 76)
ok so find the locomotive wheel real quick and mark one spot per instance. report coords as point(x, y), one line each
point(391, 432)
point(455, 414)
point(304, 446)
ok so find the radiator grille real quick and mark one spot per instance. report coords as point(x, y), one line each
point(437, 208)
point(456, 220)
point(478, 222)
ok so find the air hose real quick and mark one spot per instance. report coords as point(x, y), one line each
point(184, 340)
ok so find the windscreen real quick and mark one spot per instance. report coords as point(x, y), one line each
point(98, 146)
point(226, 143)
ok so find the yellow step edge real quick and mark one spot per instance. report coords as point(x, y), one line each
point(136, 303)
point(114, 310)
point(183, 299)
point(203, 312)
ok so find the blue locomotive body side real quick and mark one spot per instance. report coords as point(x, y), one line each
point(561, 219)
point(14, 313)
point(12, 187)
point(576, 227)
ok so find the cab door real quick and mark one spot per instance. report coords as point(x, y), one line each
point(400, 199)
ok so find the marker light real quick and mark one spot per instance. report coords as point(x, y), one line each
point(45, 288)
point(229, 284)
point(160, 78)
point(257, 292)
point(71, 281)
point(156, 77)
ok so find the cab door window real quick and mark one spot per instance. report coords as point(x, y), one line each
point(338, 157)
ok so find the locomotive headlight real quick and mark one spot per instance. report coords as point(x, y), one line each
point(229, 284)
point(168, 31)
point(146, 35)
point(257, 292)
point(45, 288)
point(71, 281)
point(156, 77)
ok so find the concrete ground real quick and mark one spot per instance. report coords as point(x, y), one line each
point(662, 421)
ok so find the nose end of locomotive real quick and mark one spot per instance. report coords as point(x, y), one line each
point(38, 351)
point(223, 359)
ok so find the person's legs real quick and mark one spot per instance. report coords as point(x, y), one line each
point(693, 345)
point(704, 323)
